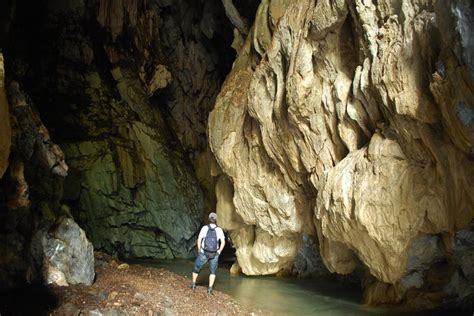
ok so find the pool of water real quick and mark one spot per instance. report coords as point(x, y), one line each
point(281, 295)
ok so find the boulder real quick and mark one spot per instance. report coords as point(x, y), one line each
point(68, 257)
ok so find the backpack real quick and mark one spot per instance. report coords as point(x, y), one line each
point(211, 244)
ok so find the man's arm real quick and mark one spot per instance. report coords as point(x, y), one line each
point(222, 243)
point(198, 244)
point(201, 236)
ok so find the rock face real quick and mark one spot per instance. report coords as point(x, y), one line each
point(140, 205)
point(352, 121)
point(68, 255)
point(463, 278)
point(137, 196)
point(31, 190)
point(126, 87)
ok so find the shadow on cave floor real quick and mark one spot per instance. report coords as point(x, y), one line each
point(27, 300)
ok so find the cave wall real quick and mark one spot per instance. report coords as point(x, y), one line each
point(41, 243)
point(351, 121)
point(125, 88)
point(30, 190)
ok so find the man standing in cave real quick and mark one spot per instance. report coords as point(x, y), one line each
point(210, 243)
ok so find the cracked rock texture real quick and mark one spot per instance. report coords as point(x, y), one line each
point(126, 87)
point(30, 194)
point(352, 121)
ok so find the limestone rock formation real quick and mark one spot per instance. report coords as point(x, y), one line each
point(68, 257)
point(31, 190)
point(350, 121)
point(137, 194)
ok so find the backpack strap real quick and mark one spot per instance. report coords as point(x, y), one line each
point(209, 227)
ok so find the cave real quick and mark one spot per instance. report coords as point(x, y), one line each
point(334, 139)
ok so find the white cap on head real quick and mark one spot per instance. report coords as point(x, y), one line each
point(213, 216)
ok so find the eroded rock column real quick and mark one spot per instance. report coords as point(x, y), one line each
point(350, 121)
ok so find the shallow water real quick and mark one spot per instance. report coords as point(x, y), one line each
point(283, 295)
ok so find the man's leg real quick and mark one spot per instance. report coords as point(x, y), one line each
point(200, 261)
point(212, 276)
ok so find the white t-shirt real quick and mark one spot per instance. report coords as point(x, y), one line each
point(203, 233)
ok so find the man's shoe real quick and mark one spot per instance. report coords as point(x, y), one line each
point(209, 291)
point(193, 286)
